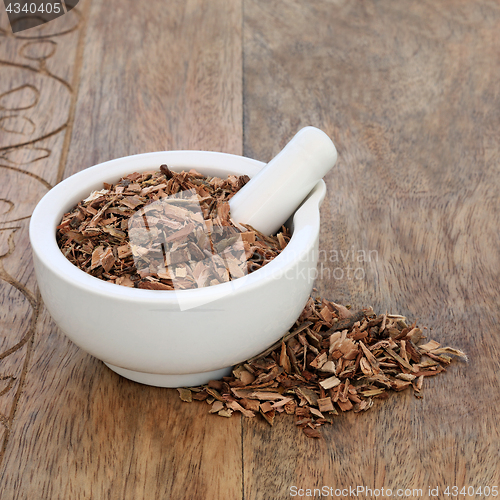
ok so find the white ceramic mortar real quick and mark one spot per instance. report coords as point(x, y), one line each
point(143, 334)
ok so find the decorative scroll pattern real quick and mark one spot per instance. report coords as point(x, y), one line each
point(37, 69)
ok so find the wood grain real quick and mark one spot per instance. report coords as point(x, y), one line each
point(407, 92)
point(170, 80)
point(163, 77)
point(36, 97)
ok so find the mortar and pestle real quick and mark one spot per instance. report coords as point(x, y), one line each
point(145, 335)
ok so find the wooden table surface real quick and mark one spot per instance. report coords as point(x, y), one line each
point(409, 93)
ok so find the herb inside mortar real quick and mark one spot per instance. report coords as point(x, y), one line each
point(188, 248)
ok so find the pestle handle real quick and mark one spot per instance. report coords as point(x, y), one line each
point(274, 194)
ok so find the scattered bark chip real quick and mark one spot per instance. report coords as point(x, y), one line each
point(333, 360)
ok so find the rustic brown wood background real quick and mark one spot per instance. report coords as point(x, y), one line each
point(408, 91)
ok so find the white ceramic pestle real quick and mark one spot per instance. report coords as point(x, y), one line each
point(274, 194)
